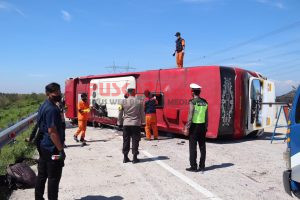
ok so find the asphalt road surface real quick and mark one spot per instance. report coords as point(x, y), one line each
point(236, 169)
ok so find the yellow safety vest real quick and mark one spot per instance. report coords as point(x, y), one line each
point(200, 108)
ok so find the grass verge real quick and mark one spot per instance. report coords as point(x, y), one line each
point(12, 153)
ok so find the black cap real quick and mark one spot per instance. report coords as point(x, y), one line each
point(177, 34)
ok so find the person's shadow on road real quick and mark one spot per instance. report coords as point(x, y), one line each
point(223, 165)
point(153, 159)
point(100, 197)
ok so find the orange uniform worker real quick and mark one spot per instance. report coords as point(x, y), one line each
point(150, 111)
point(83, 110)
point(179, 51)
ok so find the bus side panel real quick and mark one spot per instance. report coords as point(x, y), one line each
point(70, 92)
point(81, 87)
point(151, 80)
point(268, 95)
point(226, 125)
point(110, 92)
point(210, 81)
point(172, 85)
point(239, 122)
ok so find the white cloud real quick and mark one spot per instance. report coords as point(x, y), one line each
point(283, 87)
point(10, 8)
point(66, 15)
point(274, 3)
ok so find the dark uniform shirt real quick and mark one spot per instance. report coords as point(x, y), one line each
point(49, 117)
point(149, 105)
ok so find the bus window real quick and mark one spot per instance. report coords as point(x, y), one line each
point(298, 112)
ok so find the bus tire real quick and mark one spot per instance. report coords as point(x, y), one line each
point(74, 122)
point(297, 194)
point(95, 124)
point(256, 133)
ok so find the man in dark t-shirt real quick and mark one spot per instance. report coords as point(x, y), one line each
point(150, 103)
point(51, 147)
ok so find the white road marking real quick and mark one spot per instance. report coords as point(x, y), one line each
point(187, 180)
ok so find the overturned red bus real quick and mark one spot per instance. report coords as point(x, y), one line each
point(234, 97)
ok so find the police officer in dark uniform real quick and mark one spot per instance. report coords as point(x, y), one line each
point(196, 128)
point(51, 147)
point(131, 117)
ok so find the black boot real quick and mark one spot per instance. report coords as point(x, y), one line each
point(135, 159)
point(126, 159)
point(83, 142)
point(75, 138)
point(191, 169)
point(201, 168)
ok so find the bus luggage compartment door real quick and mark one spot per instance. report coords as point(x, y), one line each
point(268, 96)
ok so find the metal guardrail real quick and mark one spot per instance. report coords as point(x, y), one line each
point(9, 134)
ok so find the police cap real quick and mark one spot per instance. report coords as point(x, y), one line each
point(195, 86)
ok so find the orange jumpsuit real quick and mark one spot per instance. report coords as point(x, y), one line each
point(82, 118)
point(151, 121)
point(180, 55)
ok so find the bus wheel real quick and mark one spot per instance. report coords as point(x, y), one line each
point(74, 122)
point(95, 124)
point(297, 194)
point(256, 133)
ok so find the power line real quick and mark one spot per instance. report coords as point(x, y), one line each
point(262, 50)
point(272, 56)
point(287, 69)
point(254, 39)
point(284, 69)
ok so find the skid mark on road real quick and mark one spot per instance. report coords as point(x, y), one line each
point(184, 178)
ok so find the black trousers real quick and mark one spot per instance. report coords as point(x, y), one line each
point(51, 170)
point(133, 132)
point(197, 135)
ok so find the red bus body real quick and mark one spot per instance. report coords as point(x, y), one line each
point(224, 88)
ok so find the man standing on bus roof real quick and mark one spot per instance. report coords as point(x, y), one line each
point(150, 110)
point(83, 110)
point(131, 116)
point(196, 128)
point(179, 51)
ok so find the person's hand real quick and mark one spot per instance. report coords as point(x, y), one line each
point(185, 132)
point(120, 127)
point(173, 54)
point(62, 155)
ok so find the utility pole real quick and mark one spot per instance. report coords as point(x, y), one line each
point(114, 67)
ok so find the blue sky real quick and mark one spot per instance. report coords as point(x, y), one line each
point(51, 40)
